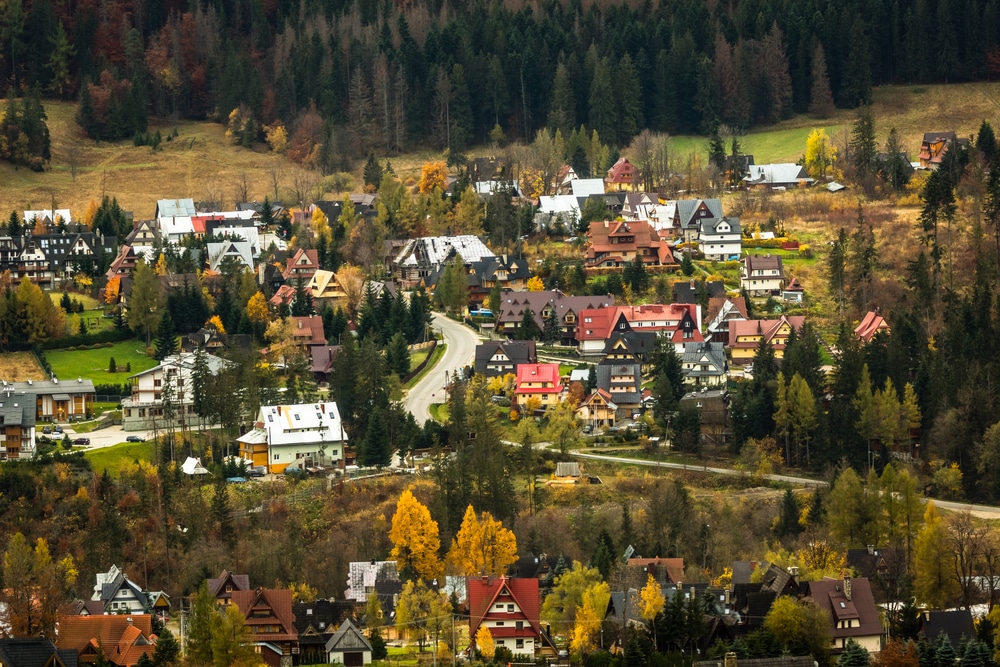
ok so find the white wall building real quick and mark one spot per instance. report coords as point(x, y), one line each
point(171, 380)
point(306, 434)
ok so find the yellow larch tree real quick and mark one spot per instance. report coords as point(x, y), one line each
point(415, 540)
point(433, 175)
point(161, 265)
point(651, 602)
point(90, 213)
point(111, 289)
point(482, 546)
point(215, 322)
point(583, 639)
point(257, 310)
point(484, 643)
point(535, 284)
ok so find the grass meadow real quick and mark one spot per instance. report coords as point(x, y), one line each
point(94, 364)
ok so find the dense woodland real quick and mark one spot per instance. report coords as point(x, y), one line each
point(348, 77)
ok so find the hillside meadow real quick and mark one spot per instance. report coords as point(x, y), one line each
point(201, 163)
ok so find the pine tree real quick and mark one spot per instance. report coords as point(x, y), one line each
point(603, 117)
point(302, 302)
point(14, 225)
point(864, 151)
point(562, 109)
point(550, 328)
point(373, 171)
point(166, 338)
point(397, 355)
point(821, 97)
point(629, 89)
point(529, 328)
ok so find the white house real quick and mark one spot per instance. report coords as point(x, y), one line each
point(238, 249)
point(171, 380)
point(762, 274)
point(48, 216)
point(307, 434)
point(720, 238)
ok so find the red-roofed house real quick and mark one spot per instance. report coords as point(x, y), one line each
point(303, 264)
point(269, 614)
point(222, 587)
point(122, 638)
point(745, 336)
point(539, 380)
point(509, 609)
point(852, 612)
point(621, 176)
point(614, 243)
point(870, 325)
point(308, 330)
point(680, 320)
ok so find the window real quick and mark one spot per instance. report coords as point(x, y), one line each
point(519, 643)
point(510, 608)
point(298, 417)
point(270, 418)
point(499, 605)
point(276, 457)
point(499, 624)
point(519, 625)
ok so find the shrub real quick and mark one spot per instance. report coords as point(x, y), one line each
point(112, 366)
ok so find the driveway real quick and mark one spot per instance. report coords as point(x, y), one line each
point(105, 437)
point(461, 351)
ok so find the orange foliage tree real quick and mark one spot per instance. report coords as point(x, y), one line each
point(433, 175)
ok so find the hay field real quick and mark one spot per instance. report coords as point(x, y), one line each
point(20, 366)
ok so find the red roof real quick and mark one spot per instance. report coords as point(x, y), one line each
point(124, 639)
point(308, 330)
point(268, 606)
point(765, 328)
point(545, 373)
point(655, 317)
point(621, 171)
point(870, 325)
point(484, 592)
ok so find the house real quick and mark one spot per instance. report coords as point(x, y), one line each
point(851, 611)
point(731, 660)
point(48, 217)
point(598, 410)
point(713, 407)
point(704, 364)
point(777, 176)
point(935, 145)
point(321, 358)
point(308, 330)
point(316, 622)
point(509, 609)
point(637, 347)
point(555, 211)
point(693, 291)
point(539, 381)
point(722, 311)
point(268, 612)
point(47, 259)
point(348, 646)
point(678, 321)
point(720, 238)
point(309, 434)
point(543, 305)
point(420, 258)
point(762, 275)
point(793, 292)
point(17, 426)
point(623, 382)
point(498, 358)
point(168, 208)
point(665, 571)
point(504, 271)
point(871, 324)
point(221, 587)
point(124, 262)
point(615, 243)
point(144, 238)
point(585, 187)
point(621, 176)
point(118, 594)
point(122, 639)
point(689, 215)
point(745, 336)
point(54, 400)
point(326, 290)
point(35, 652)
point(379, 577)
point(956, 624)
point(238, 251)
point(302, 266)
point(143, 410)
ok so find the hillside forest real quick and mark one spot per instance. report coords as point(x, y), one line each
point(344, 78)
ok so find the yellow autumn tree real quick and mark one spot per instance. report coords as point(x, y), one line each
point(482, 546)
point(112, 288)
point(352, 281)
point(90, 213)
point(821, 154)
point(433, 175)
point(161, 265)
point(651, 602)
point(215, 322)
point(484, 643)
point(535, 284)
point(321, 226)
point(583, 639)
point(257, 310)
point(415, 540)
point(277, 137)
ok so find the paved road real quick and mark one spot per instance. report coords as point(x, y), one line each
point(982, 511)
point(461, 351)
point(105, 437)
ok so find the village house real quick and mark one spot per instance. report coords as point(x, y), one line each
point(623, 383)
point(678, 321)
point(307, 330)
point(301, 267)
point(720, 238)
point(544, 304)
point(144, 239)
point(171, 379)
point(694, 291)
point(508, 608)
point(238, 251)
point(268, 612)
point(17, 426)
point(420, 258)
point(621, 176)
point(851, 610)
point(745, 336)
point(762, 275)
point(615, 243)
point(704, 364)
point(308, 435)
point(54, 400)
point(871, 324)
point(597, 410)
point(777, 176)
point(348, 646)
point(636, 347)
point(119, 639)
point(316, 622)
point(221, 587)
point(934, 147)
point(722, 311)
point(115, 593)
point(540, 381)
point(500, 358)
point(503, 271)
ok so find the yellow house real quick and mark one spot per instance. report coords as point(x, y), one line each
point(745, 336)
point(598, 410)
point(540, 381)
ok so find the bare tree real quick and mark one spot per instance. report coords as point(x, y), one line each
point(213, 193)
point(73, 158)
point(242, 187)
point(303, 186)
point(967, 539)
point(643, 151)
point(276, 172)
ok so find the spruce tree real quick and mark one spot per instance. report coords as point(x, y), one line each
point(529, 328)
point(821, 98)
point(373, 171)
point(397, 355)
point(788, 524)
point(550, 329)
point(375, 450)
point(14, 225)
point(166, 338)
point(302, 302)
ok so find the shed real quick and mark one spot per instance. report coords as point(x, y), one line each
point(348, 646)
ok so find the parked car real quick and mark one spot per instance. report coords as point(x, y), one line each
point(57, 430)
point(46, 430)
point(82, 441)
point(135, 438)
point(258, 471)
point(588, 428)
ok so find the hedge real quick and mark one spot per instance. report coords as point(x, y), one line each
point(88, 341)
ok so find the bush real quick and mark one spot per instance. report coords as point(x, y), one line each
point(100, 338)
point(112, 366)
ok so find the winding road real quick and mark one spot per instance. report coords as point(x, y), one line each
point(461, 344)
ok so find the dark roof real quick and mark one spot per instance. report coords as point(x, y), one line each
point(687, 292)
point(240, 582)
point(781, 661)
point(316, 621)
point(517, 351)
point(633, 389)
point(32, 653)
point(841, 603)
point(741, 571)
point(640, 344)
point(517, 269)
point(348, 638)
point(956, 623)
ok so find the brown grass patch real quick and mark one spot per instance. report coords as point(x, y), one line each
point(20, 367)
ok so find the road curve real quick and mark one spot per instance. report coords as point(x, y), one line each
point(461, 351)
point(981, 511)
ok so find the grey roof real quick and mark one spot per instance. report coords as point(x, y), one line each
point(487, 268)
point(436, 250)
point(35, 652)
point(786, 173)
point(568, 469)
point(687, 292)
point(518, 351)
point(713, 354)
point(175, 207)
point(709, 224)
point(348, 638)
point(763, 263)
point(641, 344)
point(322, 615)
point(512, 305)
point(632, 393)
point(742, 570)
point(17, 412)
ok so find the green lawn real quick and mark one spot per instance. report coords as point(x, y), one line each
point(438, 353)
point(114, 458)
point(93, 364)
point(439, 412)
point(784, 145)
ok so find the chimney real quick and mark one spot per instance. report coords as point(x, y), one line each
point(847, 587)
point(731, 659)
point(871, 549)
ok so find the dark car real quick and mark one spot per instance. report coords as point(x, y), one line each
point(46, 430)
point(135, 438)
point(82, 441)
point(57, 430)
point(258, 471)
